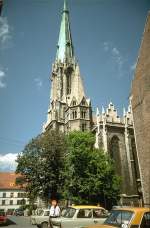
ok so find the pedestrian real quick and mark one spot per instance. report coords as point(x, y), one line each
point(55, 209)
point(54, 212)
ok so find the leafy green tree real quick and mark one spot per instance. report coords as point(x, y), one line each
point(41, 164)
point(89, 172)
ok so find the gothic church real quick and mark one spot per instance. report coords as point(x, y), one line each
point(70, 110)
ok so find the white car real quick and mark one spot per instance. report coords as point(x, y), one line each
point(72, 217)
point(41, 218)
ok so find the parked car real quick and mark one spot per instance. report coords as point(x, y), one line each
point(41, 217)
point(127, 217)
point(3, 218)
point(72, 217)
point(10, 211)
point(19, 212)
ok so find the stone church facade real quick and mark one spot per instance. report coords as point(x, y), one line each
point(115, 135)
point(70, 109)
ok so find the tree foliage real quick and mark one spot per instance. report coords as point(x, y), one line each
point(89, 173)
point(41, 164)
point(55, 164)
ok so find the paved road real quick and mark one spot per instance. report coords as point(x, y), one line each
point(18, 222)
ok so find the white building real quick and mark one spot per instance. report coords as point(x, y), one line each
point(12, 196)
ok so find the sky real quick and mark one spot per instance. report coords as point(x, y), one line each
point(106, 36)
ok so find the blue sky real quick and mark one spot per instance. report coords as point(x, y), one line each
point(106, 37)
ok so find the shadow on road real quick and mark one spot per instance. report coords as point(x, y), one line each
point(10, 222)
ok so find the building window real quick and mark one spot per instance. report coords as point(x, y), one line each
point(114, 150)
point(21, 202)
point(11, 202)
point(74, 114)
point(68, 84)
point(4, 194)
point(11, 195)
point(24, 195)
point(83, 127)
point(83, 114)
point(74, 103)
point(18, 202)
point(21, 195)
point(3, 202)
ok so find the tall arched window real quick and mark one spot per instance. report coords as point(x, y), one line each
point(68, 80)
point(114, 150)
point(68, 84)
point(74, 114)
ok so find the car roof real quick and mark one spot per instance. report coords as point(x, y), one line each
point(86, 207)
point(134, 209)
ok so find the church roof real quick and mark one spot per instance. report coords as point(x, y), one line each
point(65, 46)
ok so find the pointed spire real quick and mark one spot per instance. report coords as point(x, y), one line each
point(97, 111)
point(124, 111)
point(65, 47)
point(65, 6)
point(103, 110)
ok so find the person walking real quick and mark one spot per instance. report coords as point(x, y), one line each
point(54, 212)
point(55, 209)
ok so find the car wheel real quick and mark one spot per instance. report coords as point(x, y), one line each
point(39, 226)
point(44, 225)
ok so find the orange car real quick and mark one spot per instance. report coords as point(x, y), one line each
point(127, 217)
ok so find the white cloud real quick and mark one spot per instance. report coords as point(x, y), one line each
point(8, 162)
point(2, 76)
point(38, 82)
point(4, 30)
point(115, 55)
point(106, 46)
point(115, 51)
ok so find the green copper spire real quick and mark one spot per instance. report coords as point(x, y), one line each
point(65, 6)
point(65, 46)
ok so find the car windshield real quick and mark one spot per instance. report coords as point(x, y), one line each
point(119, 217)
point(69, 212)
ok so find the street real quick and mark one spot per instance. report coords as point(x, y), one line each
point(19, 222)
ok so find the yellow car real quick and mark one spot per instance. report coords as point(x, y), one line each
point(127, 217)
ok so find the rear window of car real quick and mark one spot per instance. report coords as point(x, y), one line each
point(84, 213)
point(69, 212)
point(99, 213)
point(119, 217)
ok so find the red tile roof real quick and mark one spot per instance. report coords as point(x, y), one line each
point(7, 181)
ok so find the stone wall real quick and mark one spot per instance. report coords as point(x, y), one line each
point(141, 111)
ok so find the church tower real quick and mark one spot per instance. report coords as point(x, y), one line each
point(69, 109)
